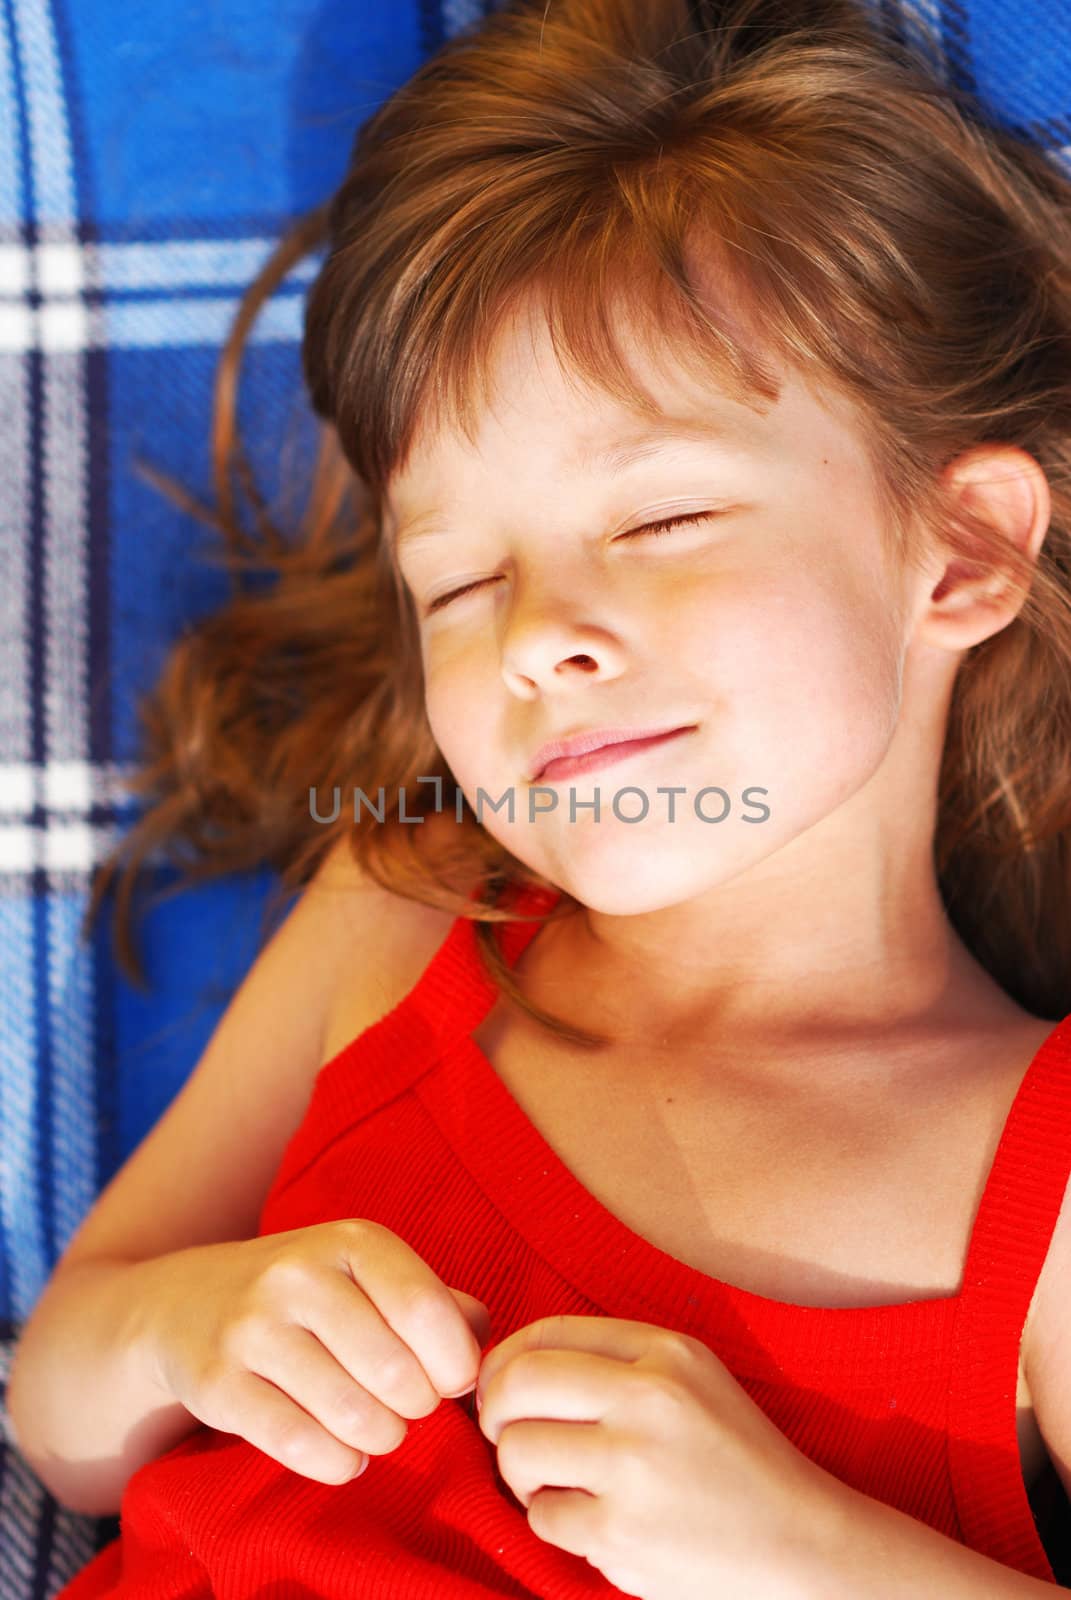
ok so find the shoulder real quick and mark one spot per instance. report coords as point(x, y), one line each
point(354, 895)
point(1046, 1354)
point(381, 972)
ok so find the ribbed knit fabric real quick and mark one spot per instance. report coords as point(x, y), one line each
point(409, 1125)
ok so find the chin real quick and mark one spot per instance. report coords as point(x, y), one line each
point(628, 881)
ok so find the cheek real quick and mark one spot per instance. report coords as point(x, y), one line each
point(808, 681)
point(456, 709)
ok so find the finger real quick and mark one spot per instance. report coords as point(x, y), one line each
point(297, 1363)
point(565, 1518)
point(261, 1413)
point(413, 1302)
point(535, 1454)
point(475, 1314)
point(349, 1326)
point(611, 1337)
point(558, 1385)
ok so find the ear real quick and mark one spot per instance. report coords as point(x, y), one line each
point(968, 602)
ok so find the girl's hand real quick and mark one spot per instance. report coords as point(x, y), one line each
point(314, 1344)
point(633, 1446)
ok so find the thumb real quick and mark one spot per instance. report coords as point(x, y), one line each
point(475, 1313)
point(478, 1318)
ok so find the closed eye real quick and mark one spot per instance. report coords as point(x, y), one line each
point(668, 525)
point(657, 528)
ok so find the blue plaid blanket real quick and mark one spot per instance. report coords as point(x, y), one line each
point(149, 156)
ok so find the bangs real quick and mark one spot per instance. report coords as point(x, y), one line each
point(690, 290)
point(727, 223)
point(596, 288)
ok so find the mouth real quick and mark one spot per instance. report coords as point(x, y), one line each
point(605, 754)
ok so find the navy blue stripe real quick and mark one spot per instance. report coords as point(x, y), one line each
point(43, 1548)
point(958, 48)
point(430, 24)
point(107, 1530)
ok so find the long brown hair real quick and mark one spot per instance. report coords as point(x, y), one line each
point(882, 236)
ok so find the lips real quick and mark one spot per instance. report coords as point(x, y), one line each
point(585, 752)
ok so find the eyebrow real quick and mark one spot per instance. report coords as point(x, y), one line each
point(613, 457)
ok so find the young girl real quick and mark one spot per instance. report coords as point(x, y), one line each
point(685, 588)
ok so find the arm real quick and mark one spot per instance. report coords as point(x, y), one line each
point(874, 1550)
point(85, 1407)
point(902, 1557)
point(89, 1411)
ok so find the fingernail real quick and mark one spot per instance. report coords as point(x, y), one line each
point(459, 1392)
point(364, 1462)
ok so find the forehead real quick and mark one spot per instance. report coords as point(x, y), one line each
point(606, 451)
point(537, 413)
point(531, 398)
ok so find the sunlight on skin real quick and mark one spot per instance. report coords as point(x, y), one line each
point(813, 666)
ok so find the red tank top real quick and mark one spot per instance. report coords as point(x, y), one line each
point(409, 1125)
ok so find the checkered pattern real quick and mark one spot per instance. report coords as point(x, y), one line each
point(149, 156)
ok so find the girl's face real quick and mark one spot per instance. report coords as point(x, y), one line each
point(771, 624)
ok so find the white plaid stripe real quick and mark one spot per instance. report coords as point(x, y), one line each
point(176, 264)
point(68, 322)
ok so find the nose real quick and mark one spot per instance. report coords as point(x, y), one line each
point(549, 640)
